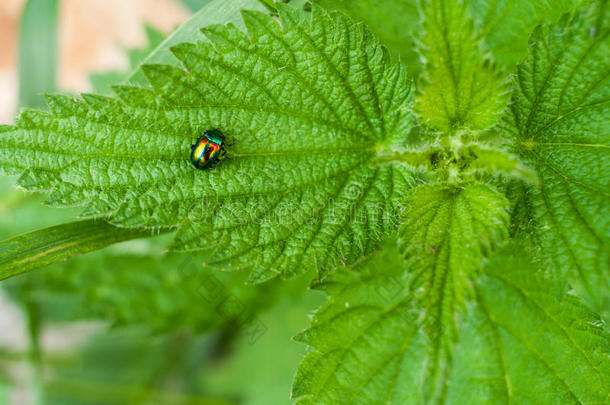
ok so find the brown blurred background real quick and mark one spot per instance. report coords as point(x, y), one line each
point(93, 36)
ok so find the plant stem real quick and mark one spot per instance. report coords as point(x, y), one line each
point(58, 243)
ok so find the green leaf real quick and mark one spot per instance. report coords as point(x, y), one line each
point(492, 161)
point(58, 243)
point(445, 234)
point(305, 104)
point(560, 123)
point(394, 23)
point(545, 350)
point(37, 51)
point(517, 342)
point(461, 88)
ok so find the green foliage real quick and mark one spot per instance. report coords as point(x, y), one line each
point(414, 224)
point(126, 366)
point(559, 122)
point(503, 25)
point(128, 159)
point(517, 342)
point(433, 329)
point(445, 234)
point(461, 89)
point(165, 293)
point(261, 373)
point(129, 284)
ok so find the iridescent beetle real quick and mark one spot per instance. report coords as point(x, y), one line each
point(208, 149)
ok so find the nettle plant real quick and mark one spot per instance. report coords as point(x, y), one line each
point(445, 180)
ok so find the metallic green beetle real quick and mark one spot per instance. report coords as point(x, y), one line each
point(208, 149)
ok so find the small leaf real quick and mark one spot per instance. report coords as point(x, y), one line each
point(492, 161)
point(445, 234)
point(460, 88)
point(305, 104)
point(560, 123)
point(517, 342)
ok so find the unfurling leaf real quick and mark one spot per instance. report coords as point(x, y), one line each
point(446, 233)
point(461, 88)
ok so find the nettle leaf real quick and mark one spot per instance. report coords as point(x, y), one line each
point(367, 345)
point(460, 88)
point(305, 103)
point(560, 122)
point(362, 336)
point(447, 230)
point(445, 234)
point(537, 348)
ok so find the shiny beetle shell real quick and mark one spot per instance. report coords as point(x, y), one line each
point(208, 149)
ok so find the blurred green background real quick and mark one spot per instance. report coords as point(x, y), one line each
point(129, 324)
